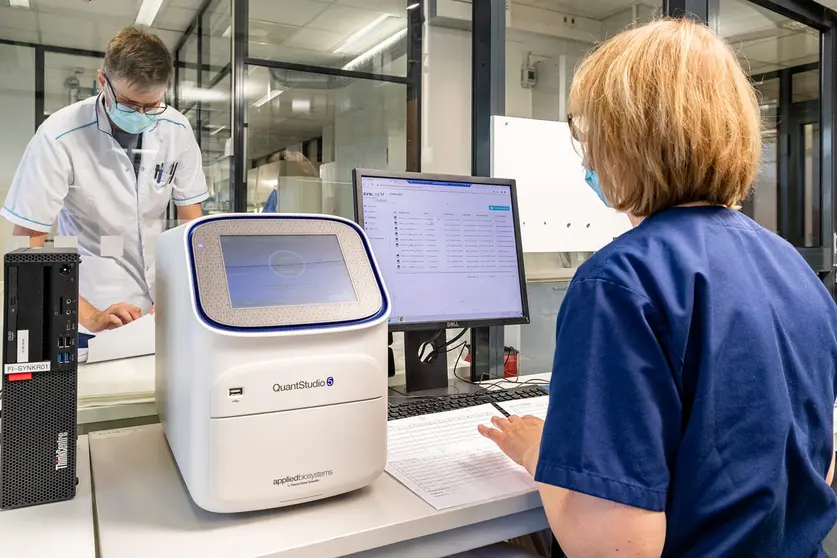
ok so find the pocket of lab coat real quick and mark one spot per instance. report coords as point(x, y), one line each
point(157, 200)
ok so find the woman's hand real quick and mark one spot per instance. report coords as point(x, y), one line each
point(518, 437)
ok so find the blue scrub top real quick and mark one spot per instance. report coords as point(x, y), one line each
point(694, 373)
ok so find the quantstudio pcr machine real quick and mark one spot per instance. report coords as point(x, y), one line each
point(271, 358)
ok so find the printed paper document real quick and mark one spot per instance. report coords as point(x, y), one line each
point(447, 462)
point(535, 406)
point(130, 340)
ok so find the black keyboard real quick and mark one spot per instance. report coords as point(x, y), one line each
point(426, 406)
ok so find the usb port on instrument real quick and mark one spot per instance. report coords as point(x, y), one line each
point(235, 392)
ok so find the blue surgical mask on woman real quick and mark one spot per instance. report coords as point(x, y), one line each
point(592, 180)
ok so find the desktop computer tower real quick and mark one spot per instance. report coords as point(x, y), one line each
point(39, 397)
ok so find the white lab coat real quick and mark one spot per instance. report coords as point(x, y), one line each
point(75, 170)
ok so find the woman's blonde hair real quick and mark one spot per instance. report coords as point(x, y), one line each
point(666, 116)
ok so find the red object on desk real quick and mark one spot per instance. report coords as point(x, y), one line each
point(510, 367)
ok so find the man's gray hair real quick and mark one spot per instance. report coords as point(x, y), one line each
point(140, 58)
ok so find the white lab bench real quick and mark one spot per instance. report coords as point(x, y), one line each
point(62, 529)
point(144, 510)
point(115, 390)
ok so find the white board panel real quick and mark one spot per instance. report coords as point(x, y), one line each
point(558, 210)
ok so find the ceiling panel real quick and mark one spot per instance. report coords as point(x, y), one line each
point(343, 19)
point(396, 7)
point(593, 9)
point(315, 39)
point(192, 4)
point(288, 12)
point(19, 35)
point(51, 24)
point(177, 19)
point(88, 42)
point(16, 18)
point(787, 51)
point(270, 33)
point(740, 17)
point(92, 9)
point(171, 38)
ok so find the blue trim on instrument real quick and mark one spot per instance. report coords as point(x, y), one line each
point(172, 121)
point(26, 218)
point(61, 135)
point(326, 325)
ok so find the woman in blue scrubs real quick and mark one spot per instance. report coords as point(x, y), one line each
point(693, 384)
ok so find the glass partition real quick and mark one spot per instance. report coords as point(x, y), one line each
point(17, 113)
point(216, 104)
point(307, 131)
point(68, 79)
point(205, 97)
point(782, 56)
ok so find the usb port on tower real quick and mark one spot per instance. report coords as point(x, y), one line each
point(235, 392)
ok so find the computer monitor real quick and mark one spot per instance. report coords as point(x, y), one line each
point(450, 251)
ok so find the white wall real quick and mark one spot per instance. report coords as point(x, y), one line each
point(17, 114)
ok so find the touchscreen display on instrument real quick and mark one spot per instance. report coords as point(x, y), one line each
point(285, 270)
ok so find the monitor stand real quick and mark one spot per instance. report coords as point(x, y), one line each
point(427, 378)
point(422, 376)
point(487, 353)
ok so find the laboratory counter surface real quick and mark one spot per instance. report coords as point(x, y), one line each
point(116, 390)
point(62, 529)
point(144, 510)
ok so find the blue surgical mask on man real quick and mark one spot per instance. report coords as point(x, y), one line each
point(131, 121)
point(592, 180)
point(127, 119)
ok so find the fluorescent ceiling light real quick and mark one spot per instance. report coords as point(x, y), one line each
point(380, 47)
point(301, 105)
point(267, 97)
point(216, 130)
point(148, 11)
point(226, 34)
point(19, 3)
point(413, 6)
point(356, 36)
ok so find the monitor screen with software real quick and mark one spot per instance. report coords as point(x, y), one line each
point(448, 246)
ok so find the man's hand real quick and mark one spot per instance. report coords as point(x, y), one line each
point(36, 239)
point(518, 437)
point(112, 317)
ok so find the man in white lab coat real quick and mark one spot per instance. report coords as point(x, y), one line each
point(106, 168)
